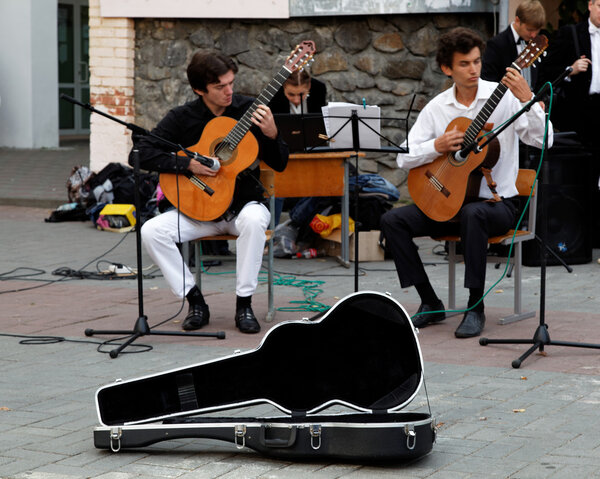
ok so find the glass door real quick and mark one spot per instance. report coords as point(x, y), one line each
point(73, 66)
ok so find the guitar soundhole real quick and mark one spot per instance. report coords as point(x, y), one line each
point(224, 152)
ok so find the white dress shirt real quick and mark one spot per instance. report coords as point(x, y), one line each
point(595, 41)
point(521, 44)
point(298, 109)
point(439, 112)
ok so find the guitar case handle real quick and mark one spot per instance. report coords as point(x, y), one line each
point(277, 441)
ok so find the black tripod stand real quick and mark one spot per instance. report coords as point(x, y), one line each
point(141, 327)
point(541, 337)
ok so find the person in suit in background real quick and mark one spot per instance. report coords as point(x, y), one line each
point(577, 46)
point(505, 47)
point(299, 94)
point(576, 108)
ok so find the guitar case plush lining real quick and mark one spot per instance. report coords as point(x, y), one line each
point(362, 354)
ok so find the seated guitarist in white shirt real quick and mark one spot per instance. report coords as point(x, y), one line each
point(459, 57)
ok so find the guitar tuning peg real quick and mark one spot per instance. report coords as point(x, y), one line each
point(545, 53)
point(534, 65)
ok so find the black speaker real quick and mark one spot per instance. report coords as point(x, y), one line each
point(565, 198)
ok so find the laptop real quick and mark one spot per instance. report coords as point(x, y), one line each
point(301, 132)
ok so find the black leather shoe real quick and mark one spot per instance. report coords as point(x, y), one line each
point(196, 318)
point(246, 321)
point(422, 320)
point(471, 325)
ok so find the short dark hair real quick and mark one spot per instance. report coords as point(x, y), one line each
point(459, 39)
point(206, 68)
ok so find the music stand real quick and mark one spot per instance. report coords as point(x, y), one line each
point(541, 337)
point(141, 327)
point(356, 122)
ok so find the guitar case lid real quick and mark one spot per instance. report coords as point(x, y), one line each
point(363, 353)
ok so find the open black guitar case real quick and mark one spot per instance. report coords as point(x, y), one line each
point(362, 354)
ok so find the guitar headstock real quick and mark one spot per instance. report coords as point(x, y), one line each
point(300, 56)
point(532, 51)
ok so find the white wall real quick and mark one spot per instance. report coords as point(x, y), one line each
point(28, 74)
point(195, 8)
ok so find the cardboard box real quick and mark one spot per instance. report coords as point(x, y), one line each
point(368, 245)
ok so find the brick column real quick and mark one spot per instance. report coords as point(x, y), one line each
point(112, 49)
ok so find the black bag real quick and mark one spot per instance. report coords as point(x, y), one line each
point(123, 184)
point(69, 212)
point(369, 212)
point(362, 354)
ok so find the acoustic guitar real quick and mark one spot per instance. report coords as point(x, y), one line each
point(235, 147)
point(440, 188)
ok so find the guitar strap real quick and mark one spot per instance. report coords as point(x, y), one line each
point(487, 173)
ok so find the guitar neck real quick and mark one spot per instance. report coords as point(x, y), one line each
point(265, 96)
point(482, 117)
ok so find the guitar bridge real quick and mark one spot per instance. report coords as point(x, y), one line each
point(436, 184)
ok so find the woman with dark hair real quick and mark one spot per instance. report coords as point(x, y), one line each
point(300, 94)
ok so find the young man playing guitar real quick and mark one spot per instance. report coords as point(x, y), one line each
point(211, 76)
point(459, 57)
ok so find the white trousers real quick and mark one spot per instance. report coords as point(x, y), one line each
point(161, 233)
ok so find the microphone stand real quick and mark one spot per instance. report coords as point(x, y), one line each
point(355, 120)
point(541, 336)
point(141, 327)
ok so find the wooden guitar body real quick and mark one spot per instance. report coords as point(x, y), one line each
point(190, 198)
point(232, 143)
point(441, 187)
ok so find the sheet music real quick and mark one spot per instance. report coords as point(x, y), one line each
point(368, 114)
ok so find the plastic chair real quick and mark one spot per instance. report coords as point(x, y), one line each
point(525, 182)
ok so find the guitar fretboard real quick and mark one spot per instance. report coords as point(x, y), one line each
point(241, 128)
point(482, 117)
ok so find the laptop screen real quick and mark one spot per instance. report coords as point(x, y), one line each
point(301, 132)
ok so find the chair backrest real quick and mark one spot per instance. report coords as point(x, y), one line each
point(525, 182)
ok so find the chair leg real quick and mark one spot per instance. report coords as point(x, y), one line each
point(451, 274)
point(198, 260)
point(271, 311)
point(517, 315)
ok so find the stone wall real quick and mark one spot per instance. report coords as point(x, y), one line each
point(385, 59)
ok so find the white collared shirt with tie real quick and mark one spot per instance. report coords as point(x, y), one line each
point(521, 44)
point(595, 40)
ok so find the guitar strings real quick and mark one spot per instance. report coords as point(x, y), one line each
point(471, 133)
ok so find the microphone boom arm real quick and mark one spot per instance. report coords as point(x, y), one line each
point(537, 97)
point(138, 130)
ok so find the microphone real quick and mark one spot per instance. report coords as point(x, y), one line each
point(462, 155)
point(567, 71)
point(213, 164)
point(542, 95)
